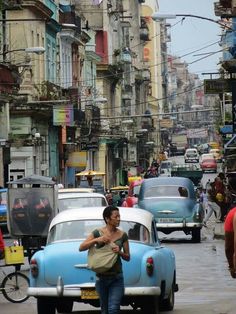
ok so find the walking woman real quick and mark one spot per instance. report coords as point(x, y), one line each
point(110, 285)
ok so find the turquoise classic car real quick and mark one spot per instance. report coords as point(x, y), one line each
point(173, 202)
point(60, 275)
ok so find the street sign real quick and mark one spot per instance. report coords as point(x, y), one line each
point(217, 86)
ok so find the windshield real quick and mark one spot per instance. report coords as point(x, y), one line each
point(166, 190)
point(80, 229)
point(78, 202)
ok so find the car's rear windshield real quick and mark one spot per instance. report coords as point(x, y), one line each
point(166, 190)
point(80, 229)
point(78, 202)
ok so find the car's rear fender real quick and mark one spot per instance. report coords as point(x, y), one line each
point(62, 259)
point(173, 208)
point(135, 271)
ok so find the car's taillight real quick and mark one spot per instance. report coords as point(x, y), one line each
point(34, 268)
point(150, 266)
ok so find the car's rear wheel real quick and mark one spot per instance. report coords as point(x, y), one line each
point(64, 306)
point(46, 305)
point(151, 306)
point(196, 235)
point(168, 304)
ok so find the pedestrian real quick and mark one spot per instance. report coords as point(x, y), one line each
point(108, 196)
point(220, 190)
point(110, 285)
point(203, 198)
point(2, 245)
point(230, 240)
point(212, 205)
point(208, 184)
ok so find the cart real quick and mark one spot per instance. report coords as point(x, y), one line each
point(32, 203)
point(91, 179)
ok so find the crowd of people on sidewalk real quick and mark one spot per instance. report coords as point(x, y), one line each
point(216, 198)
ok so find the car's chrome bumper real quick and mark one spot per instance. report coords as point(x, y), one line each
point(75, 291)
point(178, 225)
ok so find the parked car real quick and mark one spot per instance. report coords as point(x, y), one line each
point(174, 204)
point(3, 209)
point(209, 164)
point(217, 154)
point(59, 274)
point(80, 199)
point(191, 155)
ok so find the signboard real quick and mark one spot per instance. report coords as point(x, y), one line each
point(217, 86)
point(197, 133)
point(63, 115)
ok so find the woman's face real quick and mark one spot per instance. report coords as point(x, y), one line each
point(114, 220)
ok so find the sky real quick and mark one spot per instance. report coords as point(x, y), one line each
point(193, 34)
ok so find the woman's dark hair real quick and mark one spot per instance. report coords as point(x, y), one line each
point(108, 211)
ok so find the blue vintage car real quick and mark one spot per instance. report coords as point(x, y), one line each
point(3, 209)
point(60, 275)
point(173, 202)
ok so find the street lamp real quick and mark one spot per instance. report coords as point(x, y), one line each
point(164, 16)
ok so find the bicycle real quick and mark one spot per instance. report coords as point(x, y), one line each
point(14, 285)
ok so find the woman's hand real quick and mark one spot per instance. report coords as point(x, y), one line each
point(103, 239)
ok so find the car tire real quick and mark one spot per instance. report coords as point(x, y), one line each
point(46, 305)
point(168, 304)
point(151, 305)
point(196, 235)
point(64, 306)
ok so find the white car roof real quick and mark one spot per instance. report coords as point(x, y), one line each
point(79, 195)
point(76, 190)
point(92, 213)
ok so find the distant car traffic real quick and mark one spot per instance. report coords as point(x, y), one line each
point(60, 276)
point(174, 204)
point(191, 155)
point(207, 156)
point(72, 200)
point(209, 164)
point(3, 209)
point(165, 168)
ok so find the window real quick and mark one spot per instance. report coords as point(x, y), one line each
point(80, 229)
point(165, 191)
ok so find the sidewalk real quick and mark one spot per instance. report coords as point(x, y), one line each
point(219, 231)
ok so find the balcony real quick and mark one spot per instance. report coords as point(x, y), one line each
point(144, 30)
point(127, 92)
point(12, 4)
point(70, 18)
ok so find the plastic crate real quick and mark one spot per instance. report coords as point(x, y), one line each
point(14, 255)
